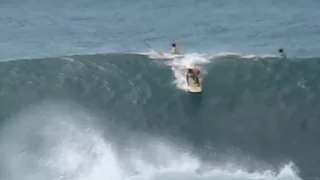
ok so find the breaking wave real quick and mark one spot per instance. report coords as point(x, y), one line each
point(129, 117)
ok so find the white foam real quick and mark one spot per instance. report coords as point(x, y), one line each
point(56, 141)
point(217, 174)
point(152, 54)
point(245, 56)
point(180, 65)
point(160, 55)
point(62, 142)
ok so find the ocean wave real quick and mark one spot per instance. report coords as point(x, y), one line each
point(263, 105)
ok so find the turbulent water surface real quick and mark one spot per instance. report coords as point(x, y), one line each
point(82, 96)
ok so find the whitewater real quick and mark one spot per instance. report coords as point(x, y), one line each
point(67, 145)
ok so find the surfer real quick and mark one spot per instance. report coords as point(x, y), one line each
point(282, 54)
point(194, 74)
point(174, 50)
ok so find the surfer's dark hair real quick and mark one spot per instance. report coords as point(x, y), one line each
point(173, 44)
point(280, 50)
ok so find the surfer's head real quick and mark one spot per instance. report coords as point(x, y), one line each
point(173, 44)
point(280, 50)
point(189, 70)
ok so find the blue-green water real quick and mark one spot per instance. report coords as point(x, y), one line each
point(50, 28)
point(114, 111)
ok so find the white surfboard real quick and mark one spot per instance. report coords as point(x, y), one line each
point(194, 87)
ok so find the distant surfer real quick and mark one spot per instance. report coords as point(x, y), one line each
point(282, 54)
point(174, 50)
point(194, 74)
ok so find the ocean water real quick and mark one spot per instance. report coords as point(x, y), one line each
point(84, 94)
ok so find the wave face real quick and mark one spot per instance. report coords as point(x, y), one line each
point(129, 117)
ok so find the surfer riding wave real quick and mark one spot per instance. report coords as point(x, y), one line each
point(194, 74)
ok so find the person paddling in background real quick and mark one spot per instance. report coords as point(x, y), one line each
point(174, 50)
point(282, 54)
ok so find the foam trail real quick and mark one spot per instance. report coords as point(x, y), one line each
point(180, 63)
point(245, 56)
